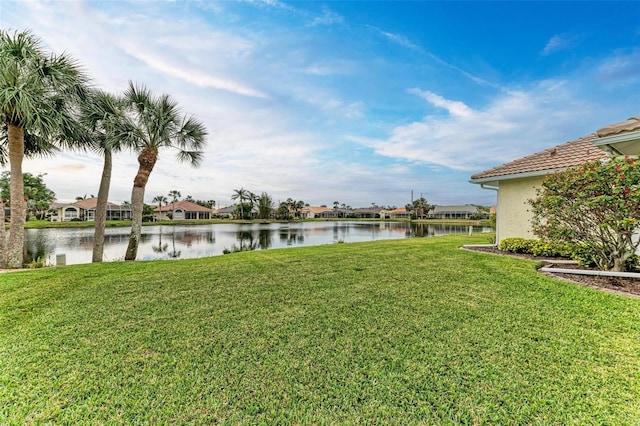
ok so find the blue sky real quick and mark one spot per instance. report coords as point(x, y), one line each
point(360, 102)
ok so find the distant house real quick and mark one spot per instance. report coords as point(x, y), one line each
point(456, 212)
point(85, 210)
point(310, 212)
point(336, 213)
point(182, 210)
point(399, 213)
point(226, 212)
point(516, 182)
point(368, 213)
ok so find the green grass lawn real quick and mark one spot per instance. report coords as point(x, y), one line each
point(400, 332)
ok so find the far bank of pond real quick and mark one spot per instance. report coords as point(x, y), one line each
point(193, 241)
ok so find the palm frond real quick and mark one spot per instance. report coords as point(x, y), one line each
point(193, 158)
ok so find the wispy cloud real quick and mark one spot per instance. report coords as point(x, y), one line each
point(330, 67)
point(189, 73)
point(455, 108)
point(558, 43)
point(328, 17)
point(398, 39)
point(623, 68)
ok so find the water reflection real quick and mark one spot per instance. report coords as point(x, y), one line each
point(184, 241)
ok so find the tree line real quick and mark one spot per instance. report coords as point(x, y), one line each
point(47, 104)
point(262, 206)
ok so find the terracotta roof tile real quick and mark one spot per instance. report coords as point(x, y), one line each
point(630, 125)
point(559, 157)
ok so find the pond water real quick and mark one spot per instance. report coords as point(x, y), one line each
point(193, 241)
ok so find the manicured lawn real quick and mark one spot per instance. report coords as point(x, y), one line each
point(391, 332)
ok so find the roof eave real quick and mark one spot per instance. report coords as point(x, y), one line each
point(618, 144)
point(495, 179)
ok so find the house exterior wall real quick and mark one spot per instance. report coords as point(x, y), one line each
point(513, 211)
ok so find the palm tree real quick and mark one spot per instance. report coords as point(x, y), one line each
point(265, 206)
point(37, 96)
point(110, 130)
point(160, 199)
point(241, 195)
point(174, 195)
point(159, 125)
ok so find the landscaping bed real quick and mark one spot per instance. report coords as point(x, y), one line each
point(625, 285)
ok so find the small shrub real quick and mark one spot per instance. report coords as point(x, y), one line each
point(515, 245)
point(541, 248)
point(37, 263)
point(546, 248)
point(583, 254)
point(632, 263)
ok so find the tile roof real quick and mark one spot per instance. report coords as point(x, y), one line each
point(185, 205)
point(398, 210)
point(466, 208)
point(630, 125)
point(89, 204)
point(559, 157)
point(315, 209)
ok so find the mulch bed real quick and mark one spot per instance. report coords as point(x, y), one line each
point(621, 285)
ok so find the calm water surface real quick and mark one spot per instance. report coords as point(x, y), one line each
point(193, 241)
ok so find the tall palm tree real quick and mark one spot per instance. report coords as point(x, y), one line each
point(175, 196)
point(38, 92)
point(241, 195)
point(160, 199)
point(104, 119)
point(159, 125)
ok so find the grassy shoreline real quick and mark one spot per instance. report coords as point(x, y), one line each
point(409, 331)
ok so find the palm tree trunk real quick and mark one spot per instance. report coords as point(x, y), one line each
point(147, 159)
point(15, 250)
point(101, 208)
point(3, 238)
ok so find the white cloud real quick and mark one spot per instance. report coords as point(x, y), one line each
point(187, 72)
point(328, 17)
point(398, 39)
point(558, 43)
point(512, 125)
point(455, 108)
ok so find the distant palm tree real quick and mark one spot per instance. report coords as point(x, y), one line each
point(241, 195)
point(159, 125)
point(175, 196)
point(265, 206)
point(38, 95)
point(160, 199)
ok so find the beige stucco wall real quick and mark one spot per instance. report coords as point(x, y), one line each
point(513, 210)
